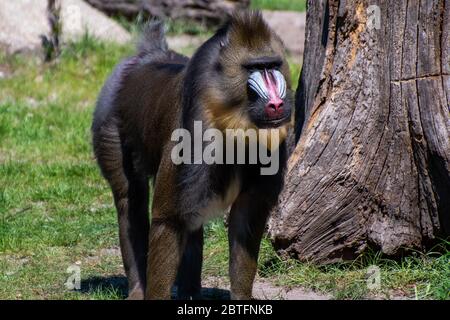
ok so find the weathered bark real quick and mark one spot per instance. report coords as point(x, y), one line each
point(208, 11)
point(372, 164)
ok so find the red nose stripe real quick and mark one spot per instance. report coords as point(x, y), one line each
point(271, 84)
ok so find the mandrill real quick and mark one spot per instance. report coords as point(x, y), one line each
point(238, 79)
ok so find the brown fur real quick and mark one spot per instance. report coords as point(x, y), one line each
point(144, 101)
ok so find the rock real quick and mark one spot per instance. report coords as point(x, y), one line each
point(181, 42)
point(79, 17)
point(290, 26)
point(22, 22)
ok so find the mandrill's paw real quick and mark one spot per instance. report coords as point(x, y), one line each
point(136, 294)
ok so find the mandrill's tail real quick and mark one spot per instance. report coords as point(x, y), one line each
point(153, 39)
point(152, 46)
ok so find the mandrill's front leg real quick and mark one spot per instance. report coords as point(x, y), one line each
point(167, 237)
point(166, 244)
point(246, 227)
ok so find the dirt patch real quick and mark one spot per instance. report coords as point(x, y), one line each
point(5, 71)
point(95, 257)
point(13, 263)
point(78, 18)
point(218, 288)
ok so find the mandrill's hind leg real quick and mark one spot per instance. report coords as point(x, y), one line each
point(133, 233)
point(189, 273)
point(131, 197)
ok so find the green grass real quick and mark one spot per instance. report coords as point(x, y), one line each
point(56, 210)
point(420, 276)
point(54, 207)
point(287, 5)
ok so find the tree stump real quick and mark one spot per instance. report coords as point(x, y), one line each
point(209, 11)
point(372, 162)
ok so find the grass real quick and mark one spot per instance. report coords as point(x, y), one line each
point(286, 5)
point(420, 276)
point(56, 210)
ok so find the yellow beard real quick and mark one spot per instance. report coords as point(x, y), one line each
point(223, 118)
point(275, 144)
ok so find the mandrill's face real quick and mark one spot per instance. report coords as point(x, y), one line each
point(270, 101)
point(248, 85)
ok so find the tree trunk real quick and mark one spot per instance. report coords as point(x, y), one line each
point(372, 164)
point(208, 11)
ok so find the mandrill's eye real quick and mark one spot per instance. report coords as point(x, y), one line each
point(268, 84)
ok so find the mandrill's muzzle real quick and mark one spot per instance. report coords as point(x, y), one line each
point(270, 85)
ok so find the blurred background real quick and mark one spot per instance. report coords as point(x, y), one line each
point(27, 25)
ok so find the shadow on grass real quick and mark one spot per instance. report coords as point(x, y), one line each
point(207, 294)
point(117, 286)
point(215, 294)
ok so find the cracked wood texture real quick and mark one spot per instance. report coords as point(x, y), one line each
point(209, 11)
point(371, 166)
